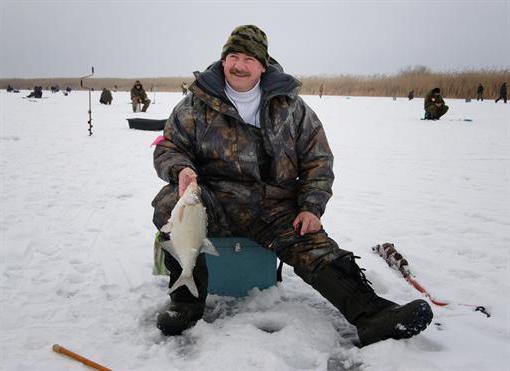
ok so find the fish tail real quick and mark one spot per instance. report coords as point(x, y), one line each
point(187, 281)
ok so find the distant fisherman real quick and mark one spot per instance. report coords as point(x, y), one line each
point(106, 97)
point(502, 93)
point(139, 96)
point(184, 88)
point(434, 105)
point(37, 93)
point(479, 92)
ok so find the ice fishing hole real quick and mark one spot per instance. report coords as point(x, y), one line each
point(269, 325)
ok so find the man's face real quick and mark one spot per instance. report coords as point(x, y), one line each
point(242, 71)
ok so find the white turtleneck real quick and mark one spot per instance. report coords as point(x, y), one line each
point(246, 102)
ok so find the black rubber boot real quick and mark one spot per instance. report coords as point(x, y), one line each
point(396, 322)
point(185, 309)
point(343, 283)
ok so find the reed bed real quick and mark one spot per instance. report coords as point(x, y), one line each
point(462, 84)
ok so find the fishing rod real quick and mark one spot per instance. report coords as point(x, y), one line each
point(395, 260)
point(96, 366)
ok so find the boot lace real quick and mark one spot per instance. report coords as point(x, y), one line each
point(359, 274)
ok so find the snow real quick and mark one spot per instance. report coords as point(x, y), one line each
point(76, 241)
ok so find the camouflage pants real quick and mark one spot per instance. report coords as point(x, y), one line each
point(145, 103)
point(305, 253)
point(434, 112)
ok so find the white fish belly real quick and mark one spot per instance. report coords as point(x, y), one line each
point(188, 233)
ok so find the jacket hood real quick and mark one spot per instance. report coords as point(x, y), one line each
point(273, 82)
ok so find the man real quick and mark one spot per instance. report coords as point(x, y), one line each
point(264, 165)
point(434, 105)
point(139, 96)
point(479, 92)
point(184, 88)
point(106, 97)
point(502, 93)
point(37, 93)
point(410, 96)
point(321, 90)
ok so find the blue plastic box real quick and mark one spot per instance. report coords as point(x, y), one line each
point(242, 265)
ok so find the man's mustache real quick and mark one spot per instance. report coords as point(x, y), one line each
point(235, 71)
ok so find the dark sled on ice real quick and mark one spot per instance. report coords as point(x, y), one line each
point(146, 124)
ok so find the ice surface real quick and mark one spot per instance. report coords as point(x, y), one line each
point(76, 241)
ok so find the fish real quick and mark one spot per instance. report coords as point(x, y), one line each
point(187, 227)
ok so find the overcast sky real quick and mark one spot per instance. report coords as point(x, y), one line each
point(174, 38)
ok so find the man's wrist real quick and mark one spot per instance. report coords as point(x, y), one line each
point(176, 170)
point(312, 208)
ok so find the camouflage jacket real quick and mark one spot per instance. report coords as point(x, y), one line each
point(138, 93)
point(206, 133)
point(432, 98)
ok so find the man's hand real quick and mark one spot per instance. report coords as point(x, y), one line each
point(186, 176)
point(306, 222)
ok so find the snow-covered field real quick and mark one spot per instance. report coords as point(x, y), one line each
point(76, 241)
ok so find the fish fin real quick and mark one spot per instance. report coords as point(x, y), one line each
point(187, 281)
point(181, 213)
point(168, 246)
point(208, 247)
